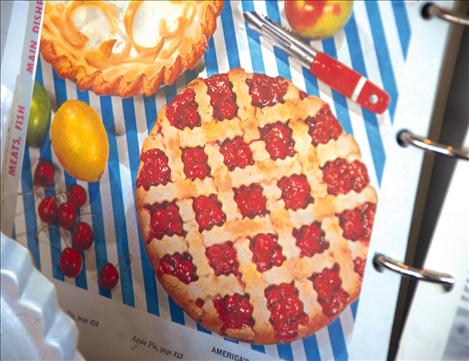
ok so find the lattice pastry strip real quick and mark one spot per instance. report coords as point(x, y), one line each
point(255, 207)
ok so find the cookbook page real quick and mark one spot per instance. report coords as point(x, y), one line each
point(238, 205)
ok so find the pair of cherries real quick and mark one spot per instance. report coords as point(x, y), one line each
point(65, 215)
point(71, 263)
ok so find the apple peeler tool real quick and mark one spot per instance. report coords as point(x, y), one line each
point(337, 75)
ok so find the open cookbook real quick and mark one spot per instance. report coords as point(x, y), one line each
point(195, 192)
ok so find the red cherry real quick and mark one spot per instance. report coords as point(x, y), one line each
point(76, 195)
point(70, 262)
point(44, 174)
point(47, 210)
point(82, 237)
point(109, 276)
point(67, 215)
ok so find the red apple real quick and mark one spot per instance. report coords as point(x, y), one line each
point(316, 19)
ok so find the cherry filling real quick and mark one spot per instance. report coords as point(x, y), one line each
point(278, 140)
point(222, 97)
point(359, 266)
point(182, 111)
point(310, 239)
point(251, 202)
point(341, 176)
point(323, 126)
point(178, 265)
point(195, 163)
point(296, 192)
point(302, 94)
point(266, 252)
point(155, 169)
point(286, 310)
point(266, 91)
point(236, 153)
point(199, 302)
point(208, 212)
point(235, 311)
point(222, 258)
point(164, 220)
point(357, 223)
point(331, 296)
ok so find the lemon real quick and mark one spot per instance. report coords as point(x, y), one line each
point(79, 140)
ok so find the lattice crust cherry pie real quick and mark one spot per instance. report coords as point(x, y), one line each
point(126, 47)
point(255, 207)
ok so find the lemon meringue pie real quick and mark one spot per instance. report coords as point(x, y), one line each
point(126, 47)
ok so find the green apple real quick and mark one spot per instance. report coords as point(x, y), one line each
point(39, 116)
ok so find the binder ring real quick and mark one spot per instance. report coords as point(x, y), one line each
point(405, 137)
point(430, 10)
point(380, 262)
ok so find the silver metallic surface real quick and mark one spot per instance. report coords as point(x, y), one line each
point(380, 262)
point(33, 326)
point(432, 10)
point(281, 37)
point(405, 137)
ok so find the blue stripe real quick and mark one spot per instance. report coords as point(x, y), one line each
point(281, 57)
point(382, 52)
point(311, 82)
point(403, 25)
point(336, 335)
point(229, 34)
point(149, 104)
point(151, 292)
point(354, 307)
point(118, 209)
point(311, 348)
point(211, 64)
point(285, 351)
point(371, 122)
point(94, 200)
point(258, 348)
point(203, 329)
point(29, 209)
point(177, 314)
point(60, 88)
point(230, 340)
point(340, 102)
point(98, 232)
point(253, 42)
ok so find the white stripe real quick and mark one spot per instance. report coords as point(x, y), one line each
point(267, 50)
point(298, 350)
point(358, 88)
point(358, 123)
point(324, 344)
point(220, 49)
point(106, 206)
point(347, 322)
point(163, 302)
point(127, 198)
point(271, 350)
point(242, 37)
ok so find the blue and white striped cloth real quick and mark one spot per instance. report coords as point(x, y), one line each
point(374, 42)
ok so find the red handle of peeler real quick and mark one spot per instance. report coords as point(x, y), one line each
point(349, 83)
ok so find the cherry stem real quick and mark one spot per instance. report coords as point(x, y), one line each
point(54, 227)
point(34, 190)
point(88, 213)
point(121, 261)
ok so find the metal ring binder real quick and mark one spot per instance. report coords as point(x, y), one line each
point(430, 10)
point(405, 137)
point(380, 262)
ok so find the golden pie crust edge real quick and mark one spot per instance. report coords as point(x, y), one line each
point(140, 85)
point(180, 292)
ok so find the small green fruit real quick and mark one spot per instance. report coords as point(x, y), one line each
point(39, 116)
